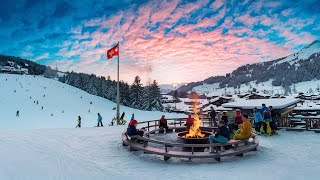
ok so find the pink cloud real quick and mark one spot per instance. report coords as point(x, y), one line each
point(217, 4)
point(172, 58)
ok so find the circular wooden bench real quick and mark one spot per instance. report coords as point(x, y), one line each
point(166, 149)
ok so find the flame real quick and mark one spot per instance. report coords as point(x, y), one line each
point(194, 131)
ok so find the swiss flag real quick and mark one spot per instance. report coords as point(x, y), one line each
point(113, 51)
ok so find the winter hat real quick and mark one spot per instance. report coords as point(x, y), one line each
point(133, 122)
point(245, 115)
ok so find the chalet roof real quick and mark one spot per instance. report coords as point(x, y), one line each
point(250, 104)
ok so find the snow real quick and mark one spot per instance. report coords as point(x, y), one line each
point(39, 146)
point(97, 153)
point(303, 54)
point(61, 100)
point(250, 104)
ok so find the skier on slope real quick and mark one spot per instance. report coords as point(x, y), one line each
point(99, 120)
point(79, 122)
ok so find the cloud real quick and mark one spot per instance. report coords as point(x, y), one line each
point(185, 40)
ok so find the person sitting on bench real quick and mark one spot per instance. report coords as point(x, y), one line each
point(163, 124)
point(245, 132)
point(132, 130)
point(189, 122)
point(222, 136)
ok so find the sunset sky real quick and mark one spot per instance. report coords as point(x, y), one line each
point(171, 41)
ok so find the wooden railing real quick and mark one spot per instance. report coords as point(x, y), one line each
point(282, 122)
point(176, 122)
point(290, 122)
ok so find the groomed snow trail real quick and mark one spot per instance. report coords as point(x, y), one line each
point(97, 153)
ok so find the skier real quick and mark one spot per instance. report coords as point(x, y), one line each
point(122, 121)
point(18, 113)
point(213, 117)
point(41, 107)
point(244, 133)
point(265, 111)
point(273, 122)
point(163, 124)
point(258, 120)
point(237, 120)
point(99, 120)
point(79, 122)
point(37, 102)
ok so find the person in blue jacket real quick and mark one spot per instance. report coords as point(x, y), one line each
point(99, 120)
point(132, 129)
point(222, 136)
point(266, 116)
point(258, 119)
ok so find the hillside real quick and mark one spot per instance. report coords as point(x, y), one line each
point(284, 72)
point(135, 95)
point(64, 102)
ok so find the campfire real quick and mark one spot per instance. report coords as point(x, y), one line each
point(194, 131)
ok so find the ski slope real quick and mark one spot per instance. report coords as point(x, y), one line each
point(64, 102)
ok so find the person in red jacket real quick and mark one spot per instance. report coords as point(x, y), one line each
point(189, 122)
point(237, 119)
point(163, 124)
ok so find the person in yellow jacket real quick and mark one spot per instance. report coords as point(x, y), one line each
point(246, 129)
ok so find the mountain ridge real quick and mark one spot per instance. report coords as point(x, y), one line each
point(285, 71)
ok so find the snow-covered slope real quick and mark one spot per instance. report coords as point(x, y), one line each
point(303, 54)
point(64, 102)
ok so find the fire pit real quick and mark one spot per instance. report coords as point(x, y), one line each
point(195, 135)
point(195, 140)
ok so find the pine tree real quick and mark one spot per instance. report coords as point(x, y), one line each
point(146, 98)
point(136, 93)
point(155, 97)
point(125, 94)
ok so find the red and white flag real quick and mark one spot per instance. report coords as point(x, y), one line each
point(113, 52)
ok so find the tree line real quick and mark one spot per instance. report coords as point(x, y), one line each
point(136, 96)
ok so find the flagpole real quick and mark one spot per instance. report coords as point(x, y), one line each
point(118, 90)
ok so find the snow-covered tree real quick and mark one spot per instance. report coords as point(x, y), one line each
point(155, 97)
point(136, 93)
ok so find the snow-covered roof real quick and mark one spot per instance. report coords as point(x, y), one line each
point(307, 108)
point(250, 104)
point(220, 108)
point(208, 108)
